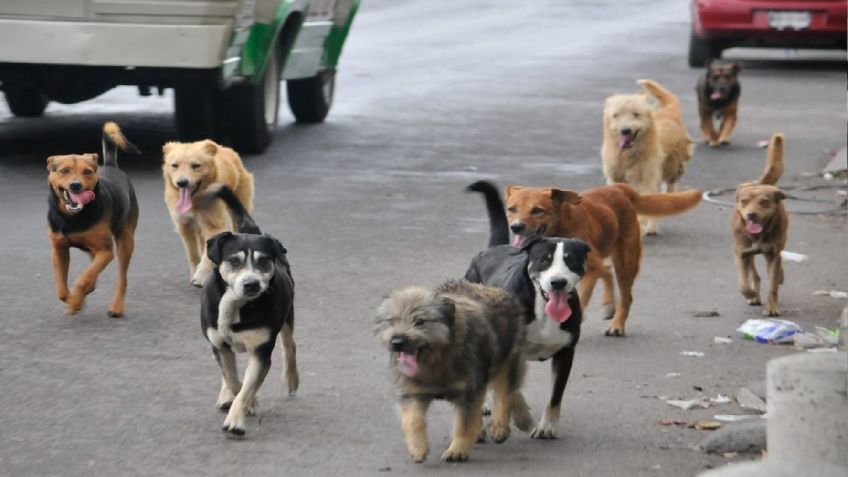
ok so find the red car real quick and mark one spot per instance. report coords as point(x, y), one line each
point(721, 24)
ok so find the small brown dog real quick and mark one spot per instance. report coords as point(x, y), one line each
point(452, 343)
point(718, 98)
point(94, 209)
point(645, 146)
point(605, 218)
point(760, 226)
point(189, 169)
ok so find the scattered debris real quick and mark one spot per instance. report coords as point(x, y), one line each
point(831, 293)
point(822, 338)
point(721, 399)
point(837, 167)
point(763, 144)
point(673, 375)
point(698, 388)
point(730, 455)
point(793, 257)
point(384, 469)
point(471, 168)
point(690, 404)
point(736, 417)
point(822, 350)
point(706, 314)
point(722, 340)
point(703, 425)
point(769, 330)
point(674, 422)
point(697, 354)
point(749, 400)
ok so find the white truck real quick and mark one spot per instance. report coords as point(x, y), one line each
point(224, 59)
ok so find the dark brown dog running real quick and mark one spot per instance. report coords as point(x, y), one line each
point(94, 209)
point(718, 98)
point(760, 226)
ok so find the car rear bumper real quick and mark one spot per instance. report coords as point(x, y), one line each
point(745, 22)
point(112, 44)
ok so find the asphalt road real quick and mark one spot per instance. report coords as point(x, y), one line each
point(431, 96)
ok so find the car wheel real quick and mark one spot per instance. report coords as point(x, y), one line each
point(310, 98)
point(24, 100)
point(198, 112)
point(701, 50)
point(253, 108)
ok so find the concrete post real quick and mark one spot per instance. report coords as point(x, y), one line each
point(808, 408)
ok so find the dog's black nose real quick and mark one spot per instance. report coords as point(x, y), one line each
point(251, 286)
point(75, 186)
point(517, 227)
point(397, 343)
point(626, 131)
point(751, 216)
point(558, 283)
point(182, 183)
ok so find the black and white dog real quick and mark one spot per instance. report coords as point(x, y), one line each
point(246, 302)
point(543, 274)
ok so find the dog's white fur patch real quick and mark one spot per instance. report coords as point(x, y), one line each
point(544, 336)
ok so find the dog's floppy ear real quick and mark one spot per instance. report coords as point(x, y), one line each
point(50, 162)
point(167, 148)
point(446, 309)
point(279, 250)
point(94, 158)
point(565, 196)
point(582, 247)
point(210, 147)
point(214, 246)
point(777, 195)
point(736, 68)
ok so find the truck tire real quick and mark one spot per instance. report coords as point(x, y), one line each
point(701, 50)
point(197, 111)
point(25, 101)
point(252, 109)
point(310, 98)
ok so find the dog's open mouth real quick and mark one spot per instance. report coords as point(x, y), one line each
point(184, 203)
point(716, 95)
point(407, 363)
point(75, 202)
point(625, 141)
point(520, 240)
point(753, 227)
point(556, 305)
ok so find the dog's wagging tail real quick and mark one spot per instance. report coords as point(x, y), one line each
point(499, 228)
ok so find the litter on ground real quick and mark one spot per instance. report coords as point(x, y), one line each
point(697, 354)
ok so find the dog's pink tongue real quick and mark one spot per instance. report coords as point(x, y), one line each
point(557, 307)
point(715, 95)
point(753, 227)
point(407, 364)
point(622, 141)
point(518, 240)
point(184, 204)
point(83, 197)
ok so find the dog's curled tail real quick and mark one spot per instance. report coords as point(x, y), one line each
point(243, 221)
point(666, 98)
point(662, 205)
point(498, 227)
point(774, 161)
point(113, 139)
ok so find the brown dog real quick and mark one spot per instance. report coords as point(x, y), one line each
point(94, 209)
point(606, 218)
point(718, 98)
point(760, 226)
point(189, 169)
point(645, 146)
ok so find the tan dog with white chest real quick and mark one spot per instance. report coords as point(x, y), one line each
point(188, 170)
point(760, 226)
point(644, 146)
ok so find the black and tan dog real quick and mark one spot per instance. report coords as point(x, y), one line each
point(247, 300)
point(718, 98)
point(542, 274)
point(94, 209)
point(760, 226)
point(453, 342)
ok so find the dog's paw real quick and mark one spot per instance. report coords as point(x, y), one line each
point(771, 310)
point(607, 311)
point(115, 313)
point(196, 282)
point(251, 410)
point(233, 426)
point(546, 430)
point(486, 411)
point(224, 406)
point(481, 435)
point(418, 455)
point(755, 301)
point(724, 142)
point(455, 455)
point(498, 434)
point(612, 331)
point(522, 419)
point(713, 143)
point(73, 304)
point(62, 295)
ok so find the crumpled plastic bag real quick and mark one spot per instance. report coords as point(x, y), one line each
point(769, 330)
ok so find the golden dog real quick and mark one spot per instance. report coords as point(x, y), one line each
point(760, 226)
point(189, 169)
point(644, 146)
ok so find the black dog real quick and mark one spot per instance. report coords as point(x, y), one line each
point(542, 274)
point(246, 302)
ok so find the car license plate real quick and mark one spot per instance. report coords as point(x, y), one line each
point(783, 20)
